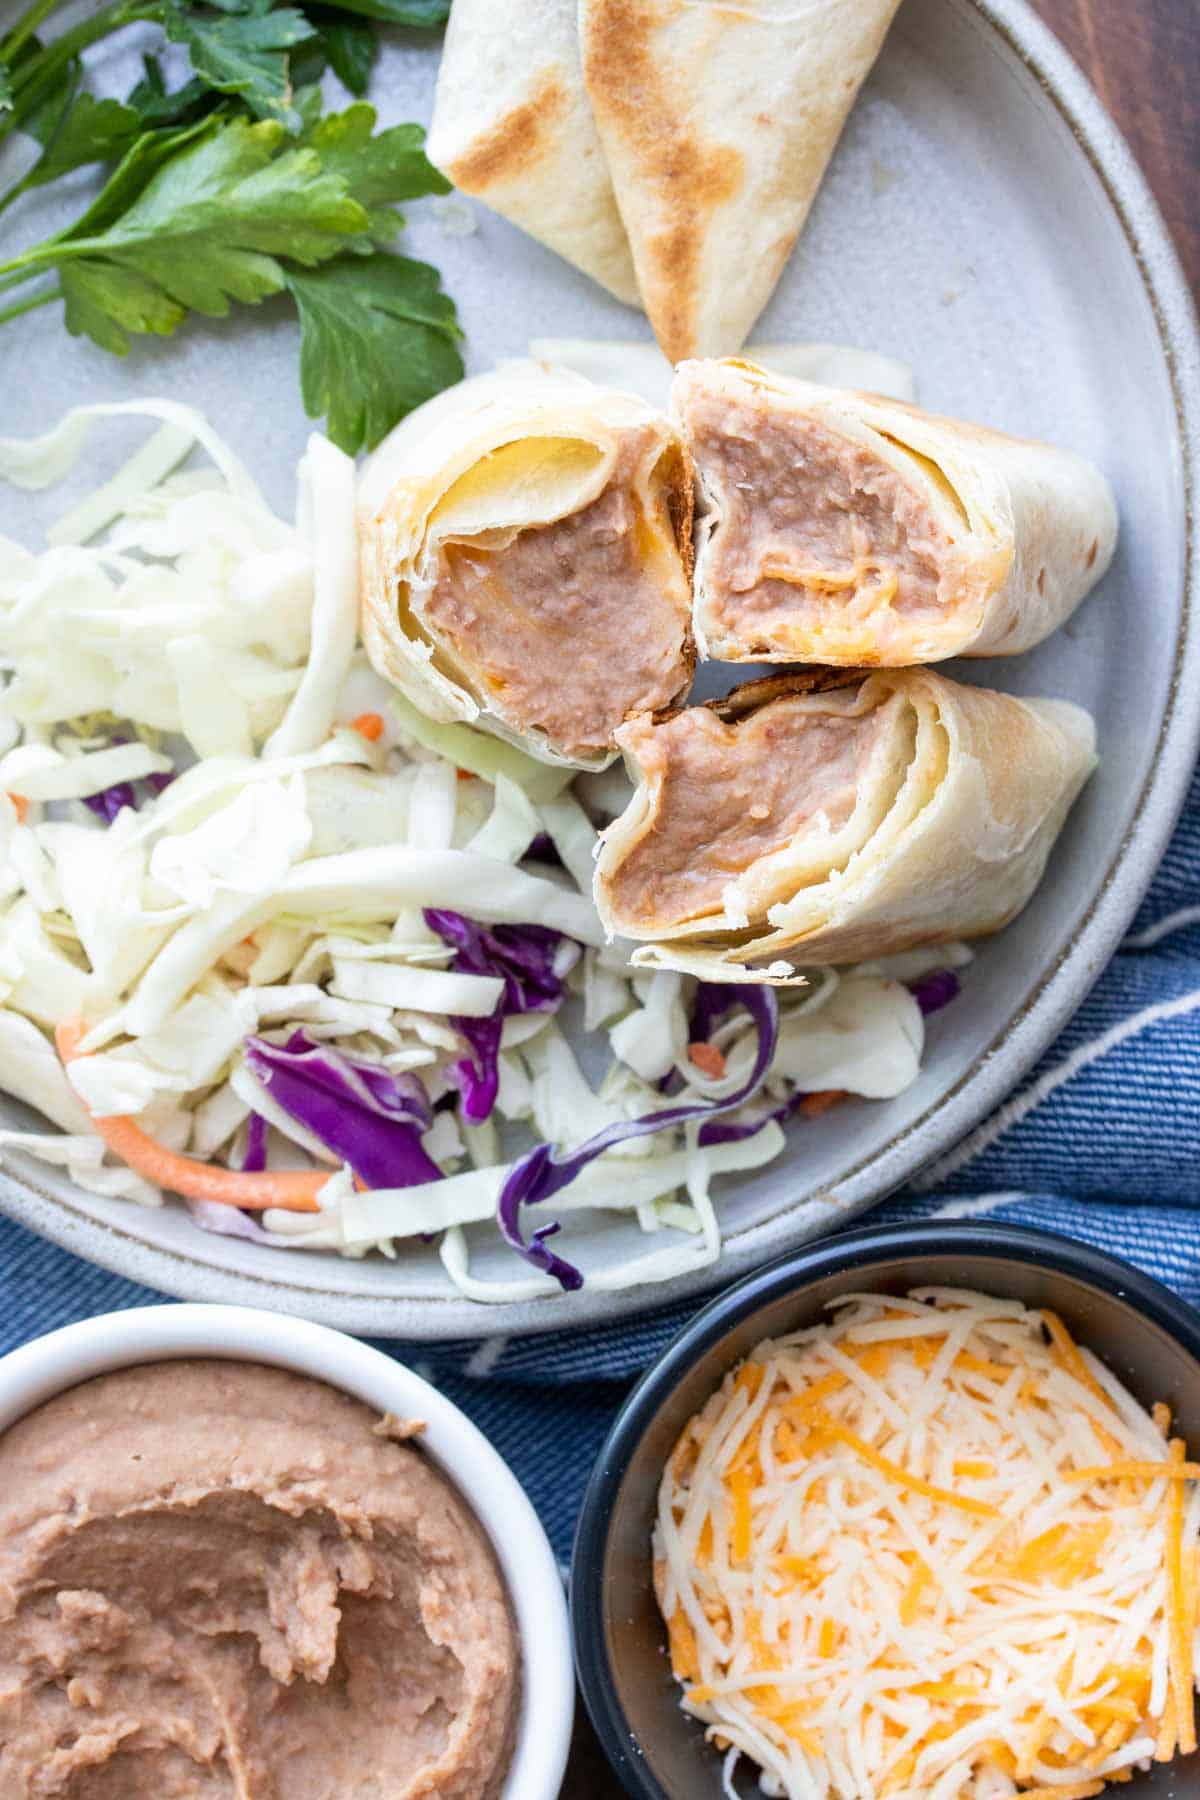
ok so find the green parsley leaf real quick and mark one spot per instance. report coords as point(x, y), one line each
point(87, 131)
point(137, 168)
point(351, 46)
point(378, 337)
point(421, 13)
point(204, 230)
point(242, 52)
point(105, 302)
point(306, 65)
point(156, 106)
point(11, 66)
point(378, 169)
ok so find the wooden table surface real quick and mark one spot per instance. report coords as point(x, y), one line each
point(1143, 58)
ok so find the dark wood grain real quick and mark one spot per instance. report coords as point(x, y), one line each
point(1143, 59)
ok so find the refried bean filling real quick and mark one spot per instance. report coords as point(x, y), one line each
point(572, 627)
point(812, 524)
point(731, 794)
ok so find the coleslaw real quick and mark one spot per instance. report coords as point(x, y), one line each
point(296, 939)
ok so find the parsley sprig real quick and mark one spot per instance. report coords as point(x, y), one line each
point(235, 187)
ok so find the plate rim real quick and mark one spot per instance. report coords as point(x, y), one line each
point(1027, 1032)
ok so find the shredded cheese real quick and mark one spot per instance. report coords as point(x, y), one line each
point(932, 1548)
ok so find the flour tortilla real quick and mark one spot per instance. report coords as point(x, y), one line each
point(521, 447)
point(1033, 528)
point(718, 122)
point(966, 792)
point(513, 126)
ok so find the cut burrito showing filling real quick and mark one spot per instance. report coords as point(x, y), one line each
point(847, 529)
point(832, 826)
point(718, 123)
point(512, 125)
point(526, 560)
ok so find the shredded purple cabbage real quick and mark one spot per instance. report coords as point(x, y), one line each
point(529, 960)
point(255, 1159)
point(543, 849)
point(229, 1221)
point(111, 800)
point(711, 1001)
point(731, 1131)
point(935, 990)
point(541, 1174)
point(365, 1114)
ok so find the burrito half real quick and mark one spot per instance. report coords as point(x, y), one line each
point(526, 560)
point(847, 529)
point(513, 126)
point(899, 810)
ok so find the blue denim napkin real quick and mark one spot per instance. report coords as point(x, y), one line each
point(1099, 1143)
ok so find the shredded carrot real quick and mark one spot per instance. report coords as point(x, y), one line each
point(704, 1543)
point(1136, 1471)
point(827, 1641)
point(813, 1105)
point(292, 1190)
point(370, 726)
point(20, 807)
point(1180, 1655)
point(1160, 1412)
point(708, 1059)
point(976, 1468)
point(915, 1483)
point(465, 774)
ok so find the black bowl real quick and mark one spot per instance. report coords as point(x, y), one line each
point(1146, 1335)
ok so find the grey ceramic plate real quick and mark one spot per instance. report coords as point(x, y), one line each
point(983, 222)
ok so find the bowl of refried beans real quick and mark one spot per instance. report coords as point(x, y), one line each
point(243, 1557)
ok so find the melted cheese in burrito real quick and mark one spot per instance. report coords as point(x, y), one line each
point(900, 810)
point(526, 561)
point(847, 529)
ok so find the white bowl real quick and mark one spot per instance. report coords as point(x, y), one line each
point(61, 1360)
